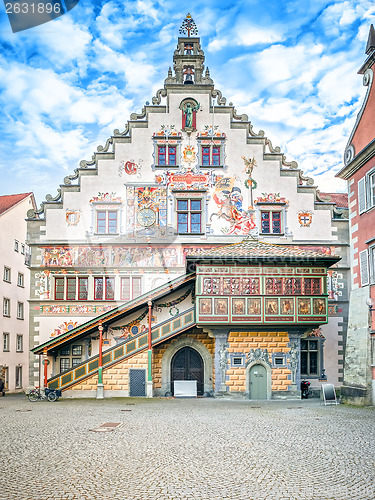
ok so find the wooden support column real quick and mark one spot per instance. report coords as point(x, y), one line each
point(45, 362)
point(149, 391)
point(100, 386)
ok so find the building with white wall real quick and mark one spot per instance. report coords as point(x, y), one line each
point(14, 290)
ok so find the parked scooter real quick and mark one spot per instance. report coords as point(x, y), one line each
point(305, 391)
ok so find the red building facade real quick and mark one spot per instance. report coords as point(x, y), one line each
point(359, 171)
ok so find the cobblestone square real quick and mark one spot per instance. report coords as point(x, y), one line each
point(186, 449)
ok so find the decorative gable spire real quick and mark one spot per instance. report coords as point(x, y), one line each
point(188, 27)
point(371, 41)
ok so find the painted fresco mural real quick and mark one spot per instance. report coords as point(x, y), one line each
point(126, 256)
point(229, 200)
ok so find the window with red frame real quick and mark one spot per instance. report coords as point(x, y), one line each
point(211, 156)
point(106, 222)
point(270, 222)
point(189, 216)
point(167, 155)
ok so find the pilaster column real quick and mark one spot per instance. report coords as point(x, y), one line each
point(294, 360)
point(221, 357)
point(100, 386)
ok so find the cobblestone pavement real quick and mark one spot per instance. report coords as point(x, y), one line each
point(185, 449)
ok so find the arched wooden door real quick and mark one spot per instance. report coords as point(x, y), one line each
point(187, 364)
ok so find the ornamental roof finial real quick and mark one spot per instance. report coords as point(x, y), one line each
point(188, 26)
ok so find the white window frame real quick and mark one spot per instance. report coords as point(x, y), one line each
point(22, 248)
point(20, 310)
point(18, 377)
point(19, 343)
point(371, 258)
point(6, 342)
point(364, 267)
point(21, 280)
point(189, 211)
point(6, 307)
point(7, 274)
point(371, 189)
point(16, 245)
point(366, 192)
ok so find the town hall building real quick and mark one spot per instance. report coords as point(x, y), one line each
point(188, 256)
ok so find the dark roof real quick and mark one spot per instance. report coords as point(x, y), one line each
point(340, 199)
point(252, 249)
point(371, 41)
point(8, 201)
point(115, 314)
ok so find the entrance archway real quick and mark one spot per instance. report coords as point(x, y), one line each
point(187, 364)
point(166, 363)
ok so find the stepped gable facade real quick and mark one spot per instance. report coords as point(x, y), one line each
point(359, 171)
point(187, 246)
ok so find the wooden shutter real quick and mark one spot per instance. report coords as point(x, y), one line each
point(363, 263)
point(362, 195)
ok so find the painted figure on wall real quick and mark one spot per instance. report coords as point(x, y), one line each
point(229, 199)
point(304, 306)
point(253, 306)
point(205, 306)
point(221, 306)
point(287, 306)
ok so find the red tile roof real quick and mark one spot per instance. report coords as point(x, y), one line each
point(341, 199)
point(8, 201)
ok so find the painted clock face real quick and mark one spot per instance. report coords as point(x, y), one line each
point(146, 217)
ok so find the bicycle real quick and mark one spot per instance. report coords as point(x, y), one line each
point(49, 394)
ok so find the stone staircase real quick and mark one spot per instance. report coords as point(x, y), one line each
point(128, 348)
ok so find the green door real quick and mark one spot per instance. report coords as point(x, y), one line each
point(258, 382)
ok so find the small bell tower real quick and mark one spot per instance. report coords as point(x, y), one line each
point(188, 58)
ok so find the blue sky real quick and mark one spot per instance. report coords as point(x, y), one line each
point(290, 65)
